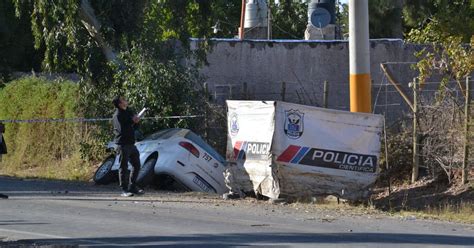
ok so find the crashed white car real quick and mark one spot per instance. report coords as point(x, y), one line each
point(176, 158)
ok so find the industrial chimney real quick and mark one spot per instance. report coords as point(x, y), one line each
point(321, 20)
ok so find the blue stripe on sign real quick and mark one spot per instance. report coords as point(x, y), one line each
point(299, 155)
point(242, 150)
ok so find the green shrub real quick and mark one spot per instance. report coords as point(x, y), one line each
point(148, 76)
point(48, 150)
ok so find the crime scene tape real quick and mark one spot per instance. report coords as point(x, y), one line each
point(96, 119)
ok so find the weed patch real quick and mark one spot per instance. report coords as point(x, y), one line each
point(45, 150)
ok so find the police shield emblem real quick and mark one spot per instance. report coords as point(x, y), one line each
point(294, 123)
point(234, 124)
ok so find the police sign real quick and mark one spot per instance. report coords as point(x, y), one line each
point(293, 149)
point(329, 159)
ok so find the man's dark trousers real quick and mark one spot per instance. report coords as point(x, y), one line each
point(128, 153)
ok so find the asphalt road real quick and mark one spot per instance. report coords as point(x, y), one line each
point(64, 213)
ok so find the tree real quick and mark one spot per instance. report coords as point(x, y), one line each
point(443, 30)
point(131, 48)
point(181, 19)
point(227, 13)
point(385, 19)
point(16, 43)
point(342, 15)
point(448, 55)
point(290, 19)
point(453, 18)
point(80, 36)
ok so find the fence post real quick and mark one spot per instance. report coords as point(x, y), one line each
point(325, 94)
point(414, 173)
point(283, 91)
point(387, 166)
point(467, 109)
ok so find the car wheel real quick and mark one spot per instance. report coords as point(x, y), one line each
point(146, 173)
point(104, 174)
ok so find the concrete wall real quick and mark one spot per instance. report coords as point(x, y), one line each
point(295, 71)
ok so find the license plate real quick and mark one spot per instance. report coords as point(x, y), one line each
point(203, 185)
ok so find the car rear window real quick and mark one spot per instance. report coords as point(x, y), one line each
point(163, 134)
point(200, 142)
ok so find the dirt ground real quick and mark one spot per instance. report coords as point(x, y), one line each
point(424, 194)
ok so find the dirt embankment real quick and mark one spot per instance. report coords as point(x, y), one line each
point(424, 195)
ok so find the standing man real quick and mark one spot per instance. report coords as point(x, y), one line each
point(3, 150)
point(123, 121)
point(3, 146)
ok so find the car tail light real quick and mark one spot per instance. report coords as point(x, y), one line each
point(188, 146)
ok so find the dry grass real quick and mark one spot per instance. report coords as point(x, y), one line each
point(462, 213)
point(73, 168)
point(52, 150)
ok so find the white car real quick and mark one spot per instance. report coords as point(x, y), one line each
point(172, 156)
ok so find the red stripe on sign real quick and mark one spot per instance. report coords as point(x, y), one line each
point(237, 146)
point(289, 153)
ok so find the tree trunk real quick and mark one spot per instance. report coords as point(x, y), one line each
point(90, 22)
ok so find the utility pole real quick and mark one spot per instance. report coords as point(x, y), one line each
point(359, 56)
point(242, 21)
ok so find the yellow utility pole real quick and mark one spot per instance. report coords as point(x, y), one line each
point(359, 56)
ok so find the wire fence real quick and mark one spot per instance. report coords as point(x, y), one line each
point(392, 99)
point(437, 119)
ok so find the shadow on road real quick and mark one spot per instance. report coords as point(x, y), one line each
point(32, 189)
point(8, 183)
point(247, 239)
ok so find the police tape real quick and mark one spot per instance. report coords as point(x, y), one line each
point(96, 119)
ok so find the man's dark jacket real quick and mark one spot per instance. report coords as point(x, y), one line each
point(3, 145)
point(123, 127)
